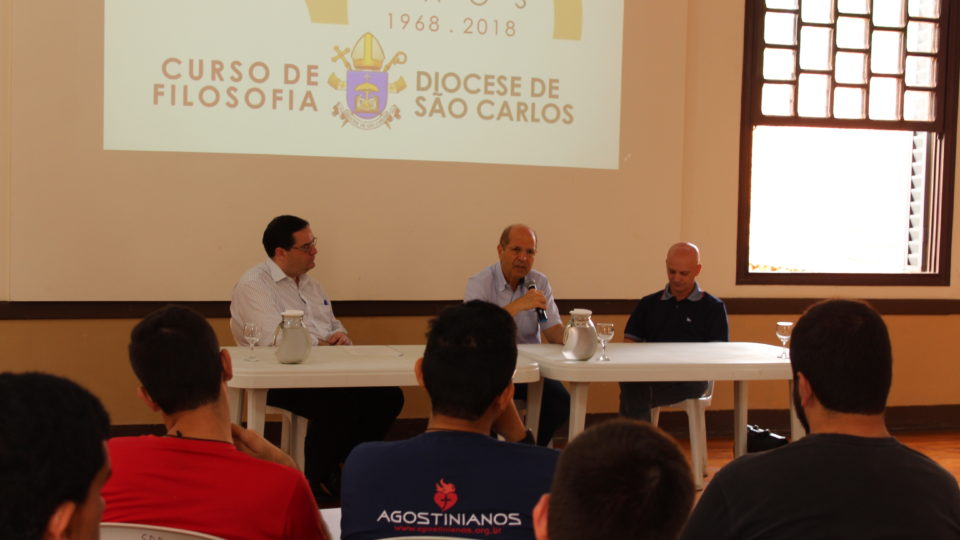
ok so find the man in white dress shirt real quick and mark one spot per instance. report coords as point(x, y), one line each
point(340, 418)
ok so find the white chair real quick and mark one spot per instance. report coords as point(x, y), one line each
point(697, 420)
point(331, 516)
point(138, 531)
point(293, 433)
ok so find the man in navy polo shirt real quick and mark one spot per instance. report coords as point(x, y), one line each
point(680, 312)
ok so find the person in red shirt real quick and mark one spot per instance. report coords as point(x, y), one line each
point(205, 474)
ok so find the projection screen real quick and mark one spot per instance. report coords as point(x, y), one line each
point(456, 80)
point(151, 142)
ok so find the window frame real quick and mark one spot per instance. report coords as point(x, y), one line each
point(942, 158)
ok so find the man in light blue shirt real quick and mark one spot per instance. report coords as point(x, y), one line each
point(515, 286)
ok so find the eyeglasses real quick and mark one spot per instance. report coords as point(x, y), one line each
point(306, 247)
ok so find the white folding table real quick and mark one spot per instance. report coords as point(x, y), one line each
point(342, 367)
point(719, 361)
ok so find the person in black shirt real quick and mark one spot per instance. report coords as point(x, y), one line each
point(680, 312)
point(848, 478)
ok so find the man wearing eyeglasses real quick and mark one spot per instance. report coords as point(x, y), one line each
point(281, 282)
point(340, 418)
point(526, 295)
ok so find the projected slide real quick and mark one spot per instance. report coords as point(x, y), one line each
point(525, 82)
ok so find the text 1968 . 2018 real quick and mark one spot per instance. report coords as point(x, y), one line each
point(477, 26)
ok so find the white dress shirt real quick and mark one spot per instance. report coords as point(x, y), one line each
point(264, 292)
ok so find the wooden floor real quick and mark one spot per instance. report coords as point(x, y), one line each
point(942, 447)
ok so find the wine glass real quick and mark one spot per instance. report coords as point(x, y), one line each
point(784, 328)
point(251, 333)
point(604, 334)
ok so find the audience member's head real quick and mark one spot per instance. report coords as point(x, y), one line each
point(470, 358)
point(620, 479)
point(842, 348)
point(175, 355)
point(52, 458)
point(279, 233)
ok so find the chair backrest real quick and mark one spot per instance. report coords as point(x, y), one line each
point(331, 516)
point(708, 393)
point(138, 531)
point(706, 399)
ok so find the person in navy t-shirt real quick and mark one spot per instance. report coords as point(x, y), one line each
point(454, 479)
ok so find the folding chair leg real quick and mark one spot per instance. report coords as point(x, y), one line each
point(703, 437)
point(298, 436)
point(696, 445)
point(286, 426)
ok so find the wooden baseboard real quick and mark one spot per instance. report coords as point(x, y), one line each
point(429, 308)
point(908, 419)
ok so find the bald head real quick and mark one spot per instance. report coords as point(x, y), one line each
point(520, 229)
point(683, 267)
point(684, 249)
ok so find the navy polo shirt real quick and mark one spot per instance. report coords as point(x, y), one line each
point(660, 318)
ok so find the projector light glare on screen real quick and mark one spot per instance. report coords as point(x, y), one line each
point(509, 82)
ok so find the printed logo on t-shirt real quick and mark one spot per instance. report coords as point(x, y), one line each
point(443, 522)
point(446, 495)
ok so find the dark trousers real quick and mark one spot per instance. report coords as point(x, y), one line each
point(638, 398)
point(554, 408)
point(339, 419)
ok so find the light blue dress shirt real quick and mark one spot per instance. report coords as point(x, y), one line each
point(489, 285)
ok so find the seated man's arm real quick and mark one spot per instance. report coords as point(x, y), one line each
point(251, 304)
point(634, 331)
point(718, 329)
point(251, 443)
point(323, 325)
point(554, 334)
point(339, 334)
point(339, 338)
point(532, 300)
point(509, 425)
point(552, 329)
point(477, 289)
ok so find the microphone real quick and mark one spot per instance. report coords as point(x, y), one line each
point(541, 315)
